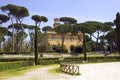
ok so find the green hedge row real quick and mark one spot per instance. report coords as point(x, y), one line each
point(13, 65)
point(47, 61)
point(93, 59)
point(15, 59)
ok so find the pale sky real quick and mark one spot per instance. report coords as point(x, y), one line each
point(82, 10)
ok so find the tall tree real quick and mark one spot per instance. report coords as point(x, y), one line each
point(17, 28)
point(47, 28)
point(21, 36)
point(84, 28)
point(17, 13)
point(63, 30)
point(94, 27)
point(3, 32)
point(117, 30)
point(68, 20)
point(9, 9)
point(20, 13)
point(38, 19)
point(107, 27)
point(111, 40)
point(3, 18)
point(68, 23)
point(31, 29)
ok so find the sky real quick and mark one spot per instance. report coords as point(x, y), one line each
point(82, 10)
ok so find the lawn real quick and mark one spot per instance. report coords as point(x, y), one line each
point(17, 71)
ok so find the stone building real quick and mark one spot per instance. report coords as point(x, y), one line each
point(51, 39)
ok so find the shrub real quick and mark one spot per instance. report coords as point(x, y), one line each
point(16, 59)
point(47, 61)
point(59, 49)
point(13, 65)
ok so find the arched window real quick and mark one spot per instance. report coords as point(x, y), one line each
point(72, 49)
point(53, 37)
point(54, 47)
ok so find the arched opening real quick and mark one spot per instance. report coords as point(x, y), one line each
point(78, 49)
point(72, 49)
point(54, 47)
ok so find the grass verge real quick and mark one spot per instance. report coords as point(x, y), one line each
point(20, 71)
point(58, 70)
point(55, 71)
point(17, 71)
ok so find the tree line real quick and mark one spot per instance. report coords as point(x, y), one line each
point(104, 33)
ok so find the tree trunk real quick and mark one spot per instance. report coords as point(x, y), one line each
point(12, 35)
point(17, 42)
point(32, 45)
point(62, 43)
point(21, 45)
point(84, 47)
point(97, 44)
point(36, 45)
point(22, 37)
point(0, 46)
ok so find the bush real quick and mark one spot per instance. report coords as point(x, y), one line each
point(15, 59)
point(59, 49)
point(13, 65)
point(46, 62)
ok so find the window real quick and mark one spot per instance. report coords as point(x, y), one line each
point(53, 37)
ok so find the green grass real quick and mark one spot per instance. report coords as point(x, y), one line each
point(16, 72)
point(55, 71)
point(20, 71)
point(58, 70)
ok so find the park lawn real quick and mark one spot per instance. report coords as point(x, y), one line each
point(17, 71)
point(20, 71)
point(55, 71)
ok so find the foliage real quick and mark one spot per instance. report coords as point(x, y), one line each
point(13, 65)
point(47, 62)
point(63, 30)
point(59, 49)
point(68, 20)
point(3, 18)
point(47, 28)
point(117, 31)
point(3, 32)
point(38, 19)
point(17, 26)
point(15, 59)
point(17, 13)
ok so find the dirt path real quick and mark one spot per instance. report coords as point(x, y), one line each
point(100, 71)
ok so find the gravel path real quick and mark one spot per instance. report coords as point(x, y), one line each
point(99, 71)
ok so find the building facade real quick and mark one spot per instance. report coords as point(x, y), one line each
point(51, 39)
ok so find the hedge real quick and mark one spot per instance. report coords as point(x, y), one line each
point(15, 59)
point(46, 61)
point(93, 59)
point(13, 65)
